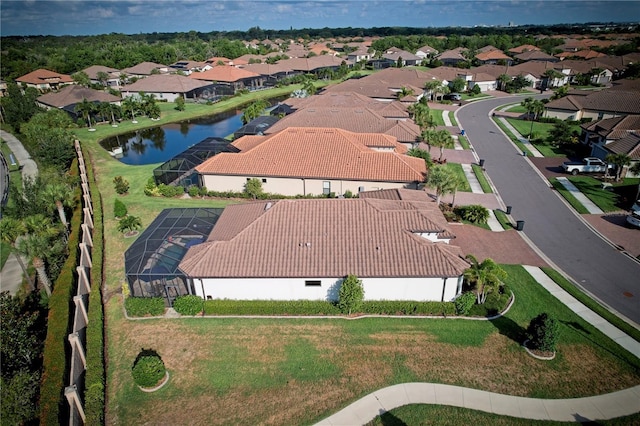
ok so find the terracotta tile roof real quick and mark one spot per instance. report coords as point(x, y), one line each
point(488, 48)
point(312, 63)
point(42, 76)
point(584, 54)
point(492, 55)
point(609, 101)
point(93, 71)
point(535, 55)
point(625, 84)
point(394, 54)
point(324, 238)
point(384, 84)
point(216, 60)
point(535, 68)
point(165, 83)
point(392, 109)
point(427, 49)
point(453, 54)
point(74, 94)
point(320, 153)
point(225, 73)
point(267, 69)
point(630, 145)
point(524, 48)
point(144, 68)
point(248, 142)
point(493, 70)
point(354, 119)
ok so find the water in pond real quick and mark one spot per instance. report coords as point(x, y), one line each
point(159, 144)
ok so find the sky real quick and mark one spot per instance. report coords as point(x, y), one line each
point(82, 17)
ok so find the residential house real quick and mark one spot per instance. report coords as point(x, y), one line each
point(535, 55)
point(233, 78)
point(314, 161)
point(452, 58)
point(391, 110)
point(493, 57)
point(107, 76)
point(317, 65)
point(45, 80)
point(628, 145)
point(187, 67)
point(523, 48)
point(303, 249)
point(171, 86)
point(580, 54)
point(534, 71)
point(360, 54)
point(145, 69)
point(426, 52)
point(215, 61)
point(599, 135)
point(393, 55)
point(596, 105)
point(69, 96)
point(271, 73)
point(599, 72)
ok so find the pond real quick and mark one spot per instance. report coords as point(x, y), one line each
point(159, 144)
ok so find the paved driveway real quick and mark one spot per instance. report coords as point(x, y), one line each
point(598, 267)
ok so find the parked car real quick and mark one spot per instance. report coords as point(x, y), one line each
point(587, 165)
point(455, 97)
point(633, 218)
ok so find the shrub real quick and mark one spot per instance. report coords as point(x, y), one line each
point(144, 306)
point(351, 294)
point(121, 185)
point(148, 369)
point(474, 213)
point(188, 305)
point(150, 189)
point(543, 333)
point(169, 190)
point(193, 191)
point(129, 224)
point(464, 303)
point(269, 307)
point(119, 209)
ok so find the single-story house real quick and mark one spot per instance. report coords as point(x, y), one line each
point(493, 56)
point(187, 67)
point(599, 134)
point(69, 96)
point(596, 105)
point(452, 57)
point(426, 52)
point(361, 54)
point(628, 145)
point(232, 77)
point(107, 76)
point(145, 69)
point(303, 249)
point(45, 80)
point(314, 161)
point(535, 55)
point(170, 87)
point(523, 48)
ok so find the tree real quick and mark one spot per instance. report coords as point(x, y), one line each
point(253, 188)
point(59, 196)
point(253, 110)
point(504, 80)
point(620, 161)
point(443, 180)
point(121, 185)
point(560, 92)
point(81, 78)
point(534, 108)
point(130, 107)
point(119, 208)
point(561, 134)
point(102, 78)
point(442, 139)
point(431, 86)
point(543, 332)
point(458, 84)
point(86, 108)
point(351, 294)
point(11, 230)
point(180, 104)
point(129, 224)
point(552, 75)
point(485, 277)
point(39, 246)
point(50, 135)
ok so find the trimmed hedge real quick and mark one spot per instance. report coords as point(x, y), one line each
point(320, 307)
point(148, 369)
point(144, 306)
point(95, 374)
point(188, 305)
point(53, 405)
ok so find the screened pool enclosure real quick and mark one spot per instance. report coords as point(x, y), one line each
point(151, 263)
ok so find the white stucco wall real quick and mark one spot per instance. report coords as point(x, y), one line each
point(419, 289)
point(292, 187)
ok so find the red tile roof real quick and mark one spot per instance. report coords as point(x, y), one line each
point(224, 73)
point(321, 153)
point(325, 238)
point(492, 55)
point(42, 76)
point(164, 83)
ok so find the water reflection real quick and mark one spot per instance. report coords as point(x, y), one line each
point(159, 144)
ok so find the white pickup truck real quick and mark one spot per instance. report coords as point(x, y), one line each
point(587, 165)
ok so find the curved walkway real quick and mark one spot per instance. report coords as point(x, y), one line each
point(602, 407)
point(29, 167)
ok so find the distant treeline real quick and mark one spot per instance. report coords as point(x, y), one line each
point(69, 54)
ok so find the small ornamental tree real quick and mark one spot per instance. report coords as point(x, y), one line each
point(148, 369)
point(351, 294)
point(464, 303)
point(473, 213)
point(543, 333)
point(129, 224)
point(253, 188)
point(180, 103)
point(119, 208)
point(121, 185)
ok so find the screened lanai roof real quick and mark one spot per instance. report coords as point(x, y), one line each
point(173, 170)
point(158, 251)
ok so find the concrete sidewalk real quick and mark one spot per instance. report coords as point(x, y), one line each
point(602, 407)
point(587, 203)
point(521, 138)
point(445, 118)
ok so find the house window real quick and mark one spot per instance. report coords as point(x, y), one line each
point(313, 283)
point(264, 180)
point(326, 187)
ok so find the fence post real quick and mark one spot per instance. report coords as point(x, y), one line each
point(71, 392)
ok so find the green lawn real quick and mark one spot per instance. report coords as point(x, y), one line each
point(5, 250)
point(592, 189)
point(457, 169)
point(436, 116)
point(511, 136)
point(438, 415)
point(482, 179)
point(464, 142)
point(503, 219)
point(247, 371)
point(452, 117)
point(516, 108)
point(573, 201)
point(540, 130)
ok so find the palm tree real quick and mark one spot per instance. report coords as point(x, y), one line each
point(431, 87)
point(620, 161)
point(38, 247)
point(504, 79)
point(486, 276)
point(104, 109)
point(11, 230)
point(129, 224)
point(60, 196)
point(443, 180)
point(442, 139)
point(85, 108)
point(552, 75)
point(130, 106)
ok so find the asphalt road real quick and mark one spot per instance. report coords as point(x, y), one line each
point(549, 223)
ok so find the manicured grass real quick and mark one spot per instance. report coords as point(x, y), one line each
point(577, 205)
point(299, 371)
point(424, 414)
point(5, 251)
point(467, 97)
point(511, 136)
point(464, 142)
point(452, 117)
point(592, 189)
point(592, 304)
point(503, 219)
point(516, 108)
point(436, 116)
point(540, 130)
point(457, 169)
point(482, 179)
